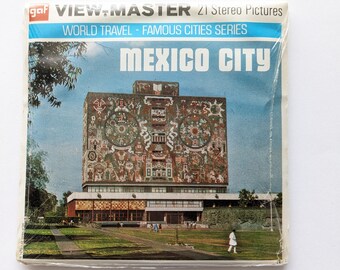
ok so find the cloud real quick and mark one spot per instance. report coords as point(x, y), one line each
point(94, 49)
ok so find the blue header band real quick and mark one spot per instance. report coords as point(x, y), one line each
point(154, 30)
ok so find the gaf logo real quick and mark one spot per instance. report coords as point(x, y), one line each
point(39, 13)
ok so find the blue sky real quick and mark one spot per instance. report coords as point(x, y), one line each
point(58, 131)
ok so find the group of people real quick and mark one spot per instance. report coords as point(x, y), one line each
point(191, 225)
point(155, 227)
point(66, 222)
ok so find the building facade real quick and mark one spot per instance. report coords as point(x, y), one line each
point(151, 156)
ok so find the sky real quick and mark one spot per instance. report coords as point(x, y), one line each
point(254, 141)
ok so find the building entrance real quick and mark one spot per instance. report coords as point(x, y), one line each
point(174, 218)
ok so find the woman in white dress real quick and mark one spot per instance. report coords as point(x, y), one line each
point(232, 241)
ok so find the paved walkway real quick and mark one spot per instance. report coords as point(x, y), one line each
point(182, 251)
point(67, 247)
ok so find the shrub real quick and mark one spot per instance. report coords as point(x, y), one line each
point(232, 218)
point(54, 219)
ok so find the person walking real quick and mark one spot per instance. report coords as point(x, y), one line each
point(232, 241)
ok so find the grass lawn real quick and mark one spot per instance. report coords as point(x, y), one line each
point(259, 245)
point(40, 242)
point(252, 245)
point(38, 232)
point(99, 244)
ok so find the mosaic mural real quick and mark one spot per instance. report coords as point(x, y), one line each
point(110, 205)
point(155, 136)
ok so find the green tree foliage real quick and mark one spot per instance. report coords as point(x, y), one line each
point(36, 173)
point(41, 202)
point(278, 200)
point(61, 209)
point(247, 198)
point(50, 65)
point(65, 195)
point(38, 200)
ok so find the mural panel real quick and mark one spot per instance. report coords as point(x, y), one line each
point(154, 136)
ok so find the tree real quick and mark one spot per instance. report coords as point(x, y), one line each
point(278, 200)
point(38, 200)
point(61, 209)
point(247, 198)
point(36, 173)
point(65, 195)
point(41, 202)
point(49, 66)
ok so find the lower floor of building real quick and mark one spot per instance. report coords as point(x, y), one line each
point(144, 208)
point(130, 216)
point(147, 211)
